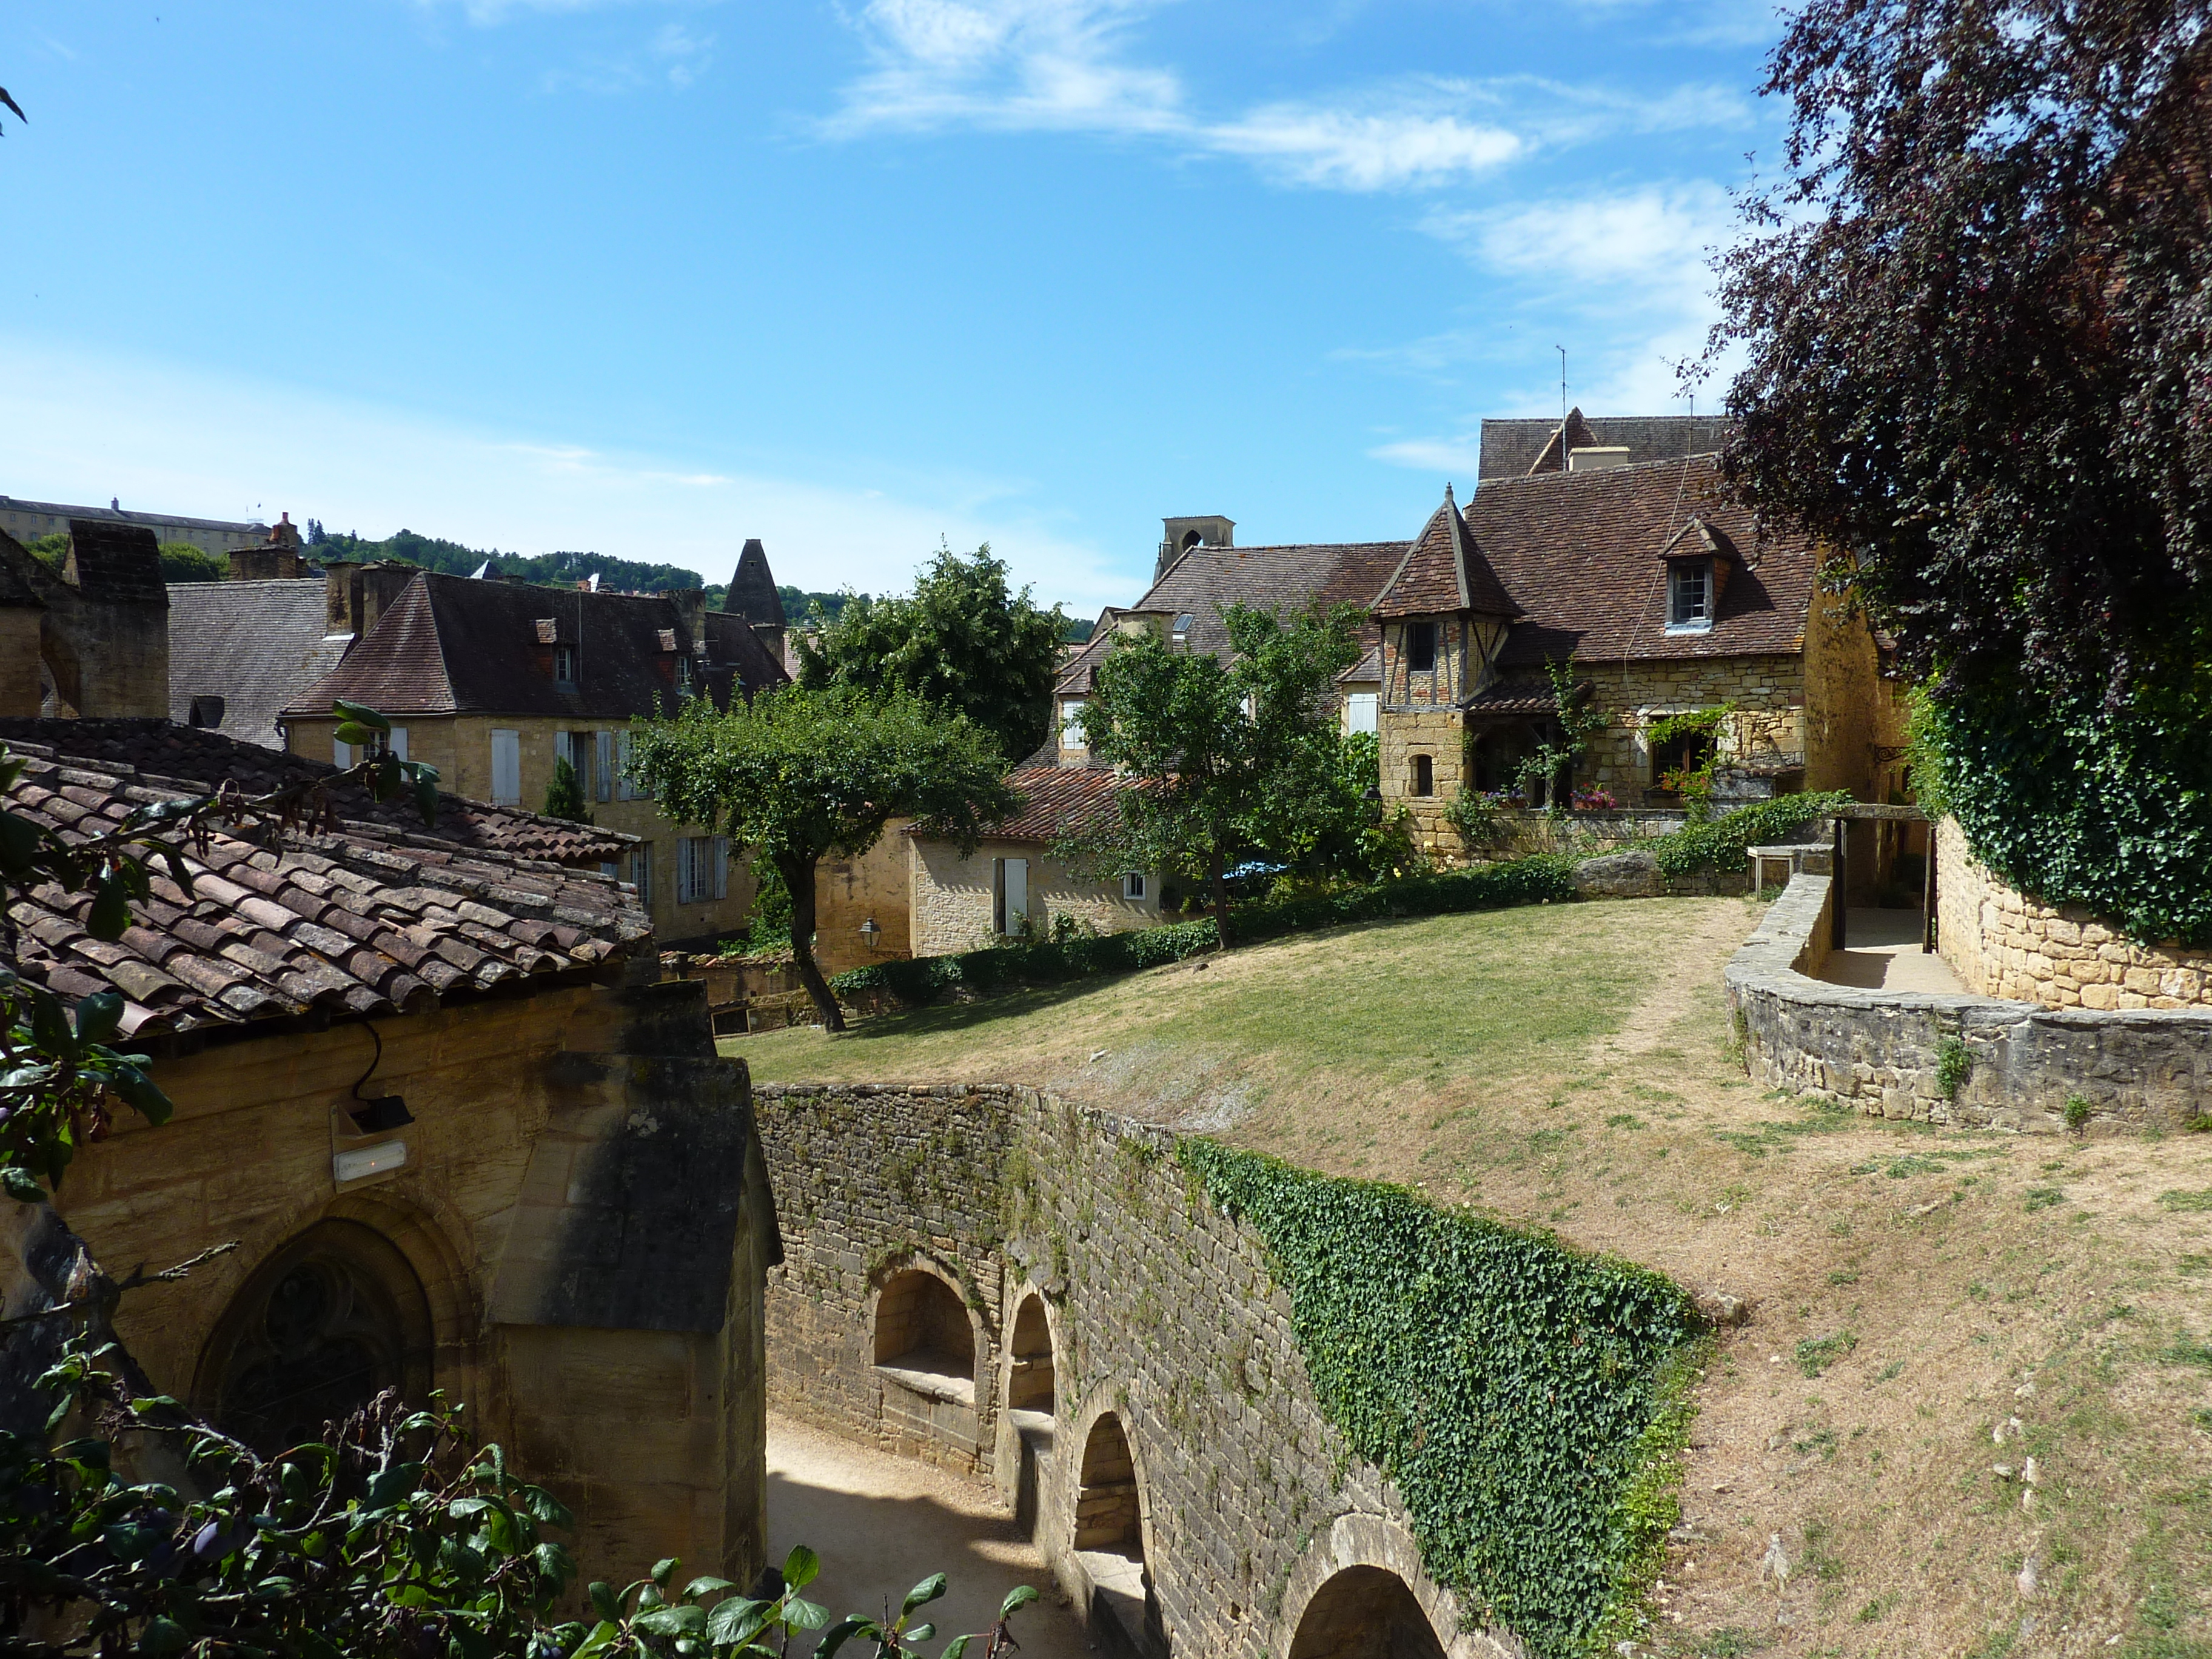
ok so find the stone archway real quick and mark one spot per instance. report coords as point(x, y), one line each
point(921, 1325)
point(330, 1319)
point(1109, 1544)
point(1031, 1378)
point(1365, 1613)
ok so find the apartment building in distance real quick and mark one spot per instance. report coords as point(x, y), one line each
point(495, 682)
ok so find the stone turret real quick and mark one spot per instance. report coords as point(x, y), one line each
point(751, 594)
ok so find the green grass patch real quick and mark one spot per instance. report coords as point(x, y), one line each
point(2178, 1198)
point(1816, 1354)
point(2044, 1198)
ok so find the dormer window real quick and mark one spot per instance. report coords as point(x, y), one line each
point(1420, 646)
point(564, 666)
point(684, 676)
point(1179, 631)
point(1689, 595)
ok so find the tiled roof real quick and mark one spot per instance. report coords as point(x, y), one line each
point(255, 645)
point(1055, 800)
point(752, 592)
point(1518, 697)
point(365, 922)
point(1444, 570)
point(1515, 449)
point(451, 644)
point(117, 562)
point(1580, 552)
point(1368, 668)
point(197, 761)
point(1206, 581)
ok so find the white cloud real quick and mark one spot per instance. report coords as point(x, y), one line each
point(1624, 278)
point(1066, 65)
point(86, 427)
point(671, 54)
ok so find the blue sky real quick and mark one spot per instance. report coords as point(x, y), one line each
point(648, 276)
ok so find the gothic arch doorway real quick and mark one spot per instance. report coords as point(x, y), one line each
point(1031, 1384)
point(329, 1322)
point(1366, 1612)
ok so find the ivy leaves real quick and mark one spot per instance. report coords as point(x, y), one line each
point(1507, 1385)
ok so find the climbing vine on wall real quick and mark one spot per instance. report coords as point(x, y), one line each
point(1528, 1400)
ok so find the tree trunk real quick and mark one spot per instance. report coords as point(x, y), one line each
point(799, 877)
point(1218, 879)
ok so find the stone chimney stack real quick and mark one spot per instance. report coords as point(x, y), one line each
point(690, 605)
point(278, 559)
point(1180, 535)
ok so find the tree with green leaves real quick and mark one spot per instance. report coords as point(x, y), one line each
point(393, 1536)
point(808, 773)
point(962, 639)
point(1229, 761)
point(564, 796)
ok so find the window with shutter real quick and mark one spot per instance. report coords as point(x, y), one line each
point(341, 754)
point(603, 753)
point(721, 856)
point(506, 769)
point(624, 789)
point(641, 873)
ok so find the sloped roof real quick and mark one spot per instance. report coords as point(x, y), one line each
point(1444, 570)
point(752, 592)
point(1055, 800)
point(1580, 552)
point(451, 644)
point(116, 562)
point(1514, 448)
point(194, 761)
point(364, 922)
point(1205, 581)
point(255, 645)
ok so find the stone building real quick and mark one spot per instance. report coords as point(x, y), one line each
point(1658, 597)
point(27, 521)
point(495, 682)
point(463, 1141)
point(102, 628)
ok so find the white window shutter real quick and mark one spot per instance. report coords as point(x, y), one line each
point(604, 744)
point(507, 768)
point(721, 866)
point(623, 789)
point(399, 743)
point(562, 751)
point(341, 754)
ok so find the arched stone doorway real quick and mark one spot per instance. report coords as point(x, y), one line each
point(1109, 1543)
point(329, 1322)
point(1366, 1612)
point(1030, 1383)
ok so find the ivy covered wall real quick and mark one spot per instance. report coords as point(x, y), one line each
point(1311, 1373)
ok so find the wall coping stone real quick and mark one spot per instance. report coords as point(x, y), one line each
point(1877, 1051)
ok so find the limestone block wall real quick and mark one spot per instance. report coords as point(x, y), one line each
point(19, 660)
point(542, 1220)
point(1884, 1052)
point(849, 891)
point(952, 897)
point(1770, 691)
point(2002, 942)
point(1163, 1314)
point(1438, 733)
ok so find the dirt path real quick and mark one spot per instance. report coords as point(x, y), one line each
point(882, 1524)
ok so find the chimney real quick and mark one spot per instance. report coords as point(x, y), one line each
point(357, 594)
point(275, 559)
point(1179, 535)
point(690, 604)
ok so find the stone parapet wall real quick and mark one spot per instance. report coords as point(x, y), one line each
point(1162, 1311)
point(2001, 942)
point(1884, 1052)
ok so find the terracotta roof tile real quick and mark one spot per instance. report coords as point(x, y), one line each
point(1055, 800)
point(280, 934)
point(1580, 552)
point(157, 754)
point(1444, 571)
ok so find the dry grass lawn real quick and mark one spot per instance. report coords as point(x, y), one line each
point(1930, 1309)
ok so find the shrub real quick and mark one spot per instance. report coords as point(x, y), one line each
point(921, 980)
point(1722, 841)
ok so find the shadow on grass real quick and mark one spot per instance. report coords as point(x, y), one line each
point(952, 1016)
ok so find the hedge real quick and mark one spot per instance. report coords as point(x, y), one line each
point(920, 980)
point(1721, 842)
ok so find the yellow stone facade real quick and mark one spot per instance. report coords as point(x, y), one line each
point(2002, 944)
point(461, 747)
point(653, 1437)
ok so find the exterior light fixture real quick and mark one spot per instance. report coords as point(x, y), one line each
point(364, 1161)
point(869, 930)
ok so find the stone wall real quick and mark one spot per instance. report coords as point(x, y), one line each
point(2002, 942)
point(577, 1224)
point(19, 657)
point(848, 892)
point(1769, 691)
point(1163, 1315)
point(1884, 1052)
point(952, 902)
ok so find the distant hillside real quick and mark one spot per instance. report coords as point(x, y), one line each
point(551, 569)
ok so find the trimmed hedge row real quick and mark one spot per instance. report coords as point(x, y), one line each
point(920, 980)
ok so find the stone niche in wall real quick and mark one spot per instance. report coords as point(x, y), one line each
point(1133, 1387)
